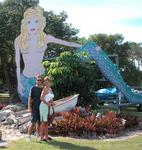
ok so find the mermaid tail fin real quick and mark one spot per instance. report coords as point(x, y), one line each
point(110, 71)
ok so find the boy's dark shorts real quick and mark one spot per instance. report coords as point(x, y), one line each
point(35, 116)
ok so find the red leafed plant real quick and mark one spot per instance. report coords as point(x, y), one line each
point(83, 122)
point(2, 105)
point(108, 124)
point(71, 122)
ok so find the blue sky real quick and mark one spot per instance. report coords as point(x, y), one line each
point(101, 16)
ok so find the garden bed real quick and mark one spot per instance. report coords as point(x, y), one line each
point(72, 124)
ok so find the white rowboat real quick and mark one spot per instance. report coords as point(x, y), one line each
point(65, 104)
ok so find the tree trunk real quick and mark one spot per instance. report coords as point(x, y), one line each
point(6, 74)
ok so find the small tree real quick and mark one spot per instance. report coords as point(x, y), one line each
point(70, 75)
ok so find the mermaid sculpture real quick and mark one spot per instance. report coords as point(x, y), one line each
point(31, 44)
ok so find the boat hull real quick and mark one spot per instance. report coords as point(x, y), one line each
point(65, 104)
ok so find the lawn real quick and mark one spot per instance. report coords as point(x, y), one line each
point(4, 97)
point(76, 144)
point(129, 109)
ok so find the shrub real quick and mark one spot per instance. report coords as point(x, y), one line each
point(2, 105)
point(108, 124)
point(70, 75)
point(131, 120)
point(75, 122)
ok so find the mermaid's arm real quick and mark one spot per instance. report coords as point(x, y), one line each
point(52, 39)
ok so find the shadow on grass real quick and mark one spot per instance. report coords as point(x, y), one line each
point(3, 144)
point(68, 146)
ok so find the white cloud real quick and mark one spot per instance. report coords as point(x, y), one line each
point(101, 19)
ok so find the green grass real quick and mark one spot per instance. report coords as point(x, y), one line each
point(76, 144)
point(129, 109)
point(4, 97)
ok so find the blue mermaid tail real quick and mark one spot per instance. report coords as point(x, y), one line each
point(110, 71)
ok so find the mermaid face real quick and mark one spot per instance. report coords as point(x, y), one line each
point(33, 24)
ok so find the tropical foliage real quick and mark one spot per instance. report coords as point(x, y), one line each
point(83, 122)
point(71, 74)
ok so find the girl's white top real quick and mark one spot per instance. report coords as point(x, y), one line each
point(49, 97)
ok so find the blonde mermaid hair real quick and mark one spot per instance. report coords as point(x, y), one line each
point(23, 37)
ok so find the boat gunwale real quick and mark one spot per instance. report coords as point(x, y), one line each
point(65, 101)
